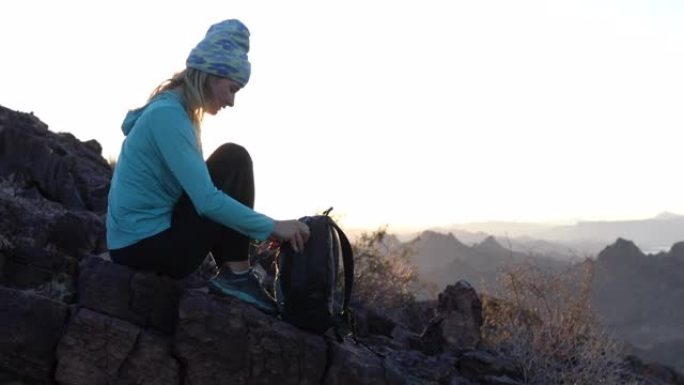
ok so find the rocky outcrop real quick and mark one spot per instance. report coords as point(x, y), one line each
point(148, 300)
point(53, 195)
point(58, 166)
point(457, 322)
point(31, 326)
point(99, 349)
point(116, 337)
point(70, 316)
point(223, 341)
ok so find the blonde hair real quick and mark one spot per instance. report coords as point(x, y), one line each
point(195, 92)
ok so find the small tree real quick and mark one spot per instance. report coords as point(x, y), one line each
point(383, 275)
point(544, 322)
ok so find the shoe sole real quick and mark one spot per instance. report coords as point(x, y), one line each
point(219, 289)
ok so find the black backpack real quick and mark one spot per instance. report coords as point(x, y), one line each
point(306, 282)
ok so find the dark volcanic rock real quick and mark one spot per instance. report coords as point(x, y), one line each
point(53, 196)
point(64, 169)
point(145, 299)
point(369, 322)
point(224, 341)
point(151, 362)
point(101, 350)
point(30, 328)
point(487, 367)
point(419, 368)
point(355, 364)
point(457, 323)
point(94, 348)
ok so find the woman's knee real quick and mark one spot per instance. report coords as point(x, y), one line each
point(232, 152)
point(230, 167)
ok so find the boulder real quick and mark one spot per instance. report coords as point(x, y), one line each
point(224, 341)
point(142, 298)
point(457, 322)
point(352, 364)
point(97, 349)
point(151, 362)
point(53, 197)
point(31, 326)
point(418, 368)
point(64, 169)
point(487, 367)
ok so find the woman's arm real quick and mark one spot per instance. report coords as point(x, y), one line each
point(175, 139)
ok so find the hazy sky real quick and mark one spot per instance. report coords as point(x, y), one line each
point(406, 113)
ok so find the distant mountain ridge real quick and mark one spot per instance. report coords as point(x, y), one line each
point(639, 297)
point(638, 284)
point(651, 235)
point(442, 258)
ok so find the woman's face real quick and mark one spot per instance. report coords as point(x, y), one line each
point(223, 94)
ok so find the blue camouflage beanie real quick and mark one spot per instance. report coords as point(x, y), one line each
point(223, 52)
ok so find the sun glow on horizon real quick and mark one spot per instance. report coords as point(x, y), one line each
point(406, 114)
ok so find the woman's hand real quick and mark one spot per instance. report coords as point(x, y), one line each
point(293, 231)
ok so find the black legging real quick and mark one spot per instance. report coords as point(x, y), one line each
point(179, 250)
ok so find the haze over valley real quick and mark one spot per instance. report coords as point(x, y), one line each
point(638, 282)
point(571, 240)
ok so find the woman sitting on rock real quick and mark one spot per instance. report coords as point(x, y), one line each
point(168, 208)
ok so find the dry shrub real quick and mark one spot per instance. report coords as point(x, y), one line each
point(383, 275)
point(543, 321)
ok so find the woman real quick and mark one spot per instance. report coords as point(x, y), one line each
point(167, 207)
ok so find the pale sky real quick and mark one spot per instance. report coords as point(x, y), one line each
point(401, 113)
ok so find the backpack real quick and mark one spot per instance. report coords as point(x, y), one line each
point(306, 282)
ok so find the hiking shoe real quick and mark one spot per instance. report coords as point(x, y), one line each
point(245, 287)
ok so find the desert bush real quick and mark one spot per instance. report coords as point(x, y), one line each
point(383, 275)
point(543, 321)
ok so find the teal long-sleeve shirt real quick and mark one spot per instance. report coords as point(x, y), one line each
point(160, 158)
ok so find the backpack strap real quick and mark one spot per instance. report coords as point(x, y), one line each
point(348, 261)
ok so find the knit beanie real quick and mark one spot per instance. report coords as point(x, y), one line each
point(223, 52)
